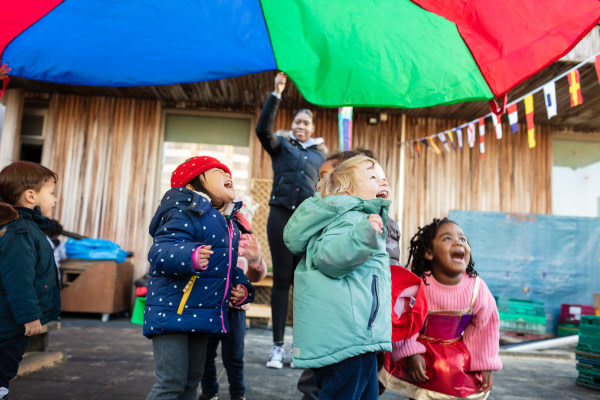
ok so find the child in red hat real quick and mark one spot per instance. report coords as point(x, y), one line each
point(455, 352)
point(193, 273)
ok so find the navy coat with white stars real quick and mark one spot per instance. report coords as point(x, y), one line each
point(181, 299)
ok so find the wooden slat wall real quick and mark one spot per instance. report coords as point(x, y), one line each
point(511, 178)
point(105, 152)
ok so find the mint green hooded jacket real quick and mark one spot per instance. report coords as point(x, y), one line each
point(342, 285)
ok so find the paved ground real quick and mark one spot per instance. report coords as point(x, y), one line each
point(113, 361)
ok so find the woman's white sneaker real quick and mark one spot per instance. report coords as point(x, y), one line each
point(276, 358)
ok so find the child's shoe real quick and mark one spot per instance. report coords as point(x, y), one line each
point(205, 396)
point(238, 397)
point(276, 358)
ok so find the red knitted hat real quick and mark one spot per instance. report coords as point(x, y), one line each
point(193, 167)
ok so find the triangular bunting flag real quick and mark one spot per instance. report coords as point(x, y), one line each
point(598, 67)
point(433, 145)
point(442, 138)
point(345, 128)
point(424, 141)
point(450, 140)
point(416, 147)
point(530, 124)
point(482, 137)
point(497, 125)
point(575, 88)
point(550, 99)
point(513, 117)
point(471, 134)
point(459, 137)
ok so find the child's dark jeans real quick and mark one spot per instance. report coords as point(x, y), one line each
point(232, 351)
point(11, 353)
point(354, 378)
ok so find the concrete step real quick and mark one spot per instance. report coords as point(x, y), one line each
point(35, 360)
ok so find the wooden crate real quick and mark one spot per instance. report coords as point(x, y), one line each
point(89, 286)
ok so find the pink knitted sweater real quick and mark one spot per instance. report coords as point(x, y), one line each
point(481, 335)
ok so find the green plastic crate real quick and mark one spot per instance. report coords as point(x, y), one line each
point(517, 306)
point(530, 319)
point(589, 375)
point(589, 334)
point(567, 329)
point(522, 327)
point(584, 356)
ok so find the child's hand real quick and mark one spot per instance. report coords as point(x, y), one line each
point(33, 328)
point(376, 222)
point(488, 381)
point(280, 80)
point(250, 249)
point(4, 70)
point(238, 293)
point(417, 368)
point(201, 257)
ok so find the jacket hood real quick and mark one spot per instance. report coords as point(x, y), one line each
point(315, 213)
point(288, 135)
point(7, 213)
point(185, 200)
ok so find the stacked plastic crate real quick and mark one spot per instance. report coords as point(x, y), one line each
point(587, 352)
point(521, 316)
point(569, 317)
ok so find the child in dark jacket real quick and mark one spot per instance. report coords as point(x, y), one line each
point(193, 273)
point(29, 291)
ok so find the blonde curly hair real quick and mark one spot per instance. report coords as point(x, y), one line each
point(342, 179)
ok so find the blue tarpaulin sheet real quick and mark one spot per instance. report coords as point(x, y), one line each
point(554, 259)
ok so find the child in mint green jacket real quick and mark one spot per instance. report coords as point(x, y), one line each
point(342, 298)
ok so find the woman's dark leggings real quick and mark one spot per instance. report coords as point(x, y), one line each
point(284, 264)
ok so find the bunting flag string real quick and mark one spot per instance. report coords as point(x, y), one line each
point(549, 90)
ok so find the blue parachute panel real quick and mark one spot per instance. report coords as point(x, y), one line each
point(175, 42)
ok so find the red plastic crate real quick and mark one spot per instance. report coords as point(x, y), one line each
point(571, 313)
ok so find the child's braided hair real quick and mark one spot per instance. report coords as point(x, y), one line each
point(423, 241)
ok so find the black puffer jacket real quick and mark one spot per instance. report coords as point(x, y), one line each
point(29, 288)
point(295, 169)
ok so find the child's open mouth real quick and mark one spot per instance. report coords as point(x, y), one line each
point(228, 184)
point(383, 194)
point(458, 255)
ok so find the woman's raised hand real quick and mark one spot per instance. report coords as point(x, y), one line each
point(280, 80)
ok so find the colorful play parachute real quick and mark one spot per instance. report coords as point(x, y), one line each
point(389, 53)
